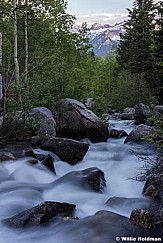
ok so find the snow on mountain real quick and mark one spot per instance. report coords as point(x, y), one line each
point(103, 37)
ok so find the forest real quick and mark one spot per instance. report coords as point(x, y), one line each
point(43, 61)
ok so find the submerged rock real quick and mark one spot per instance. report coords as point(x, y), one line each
point(106, 227)
point(89, 179)
point(95, 179)
point(44, 159)
point(75, 121)
point(113, 133)
point(128, 204)
point(48, 162)
point(67, 150)
point(40, 214)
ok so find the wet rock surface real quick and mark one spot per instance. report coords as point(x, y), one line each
point(153, 187)
point(105, 226)
point(95, 178)
point(113, 133)
point(43, 159)
point(128, 204)
point(40, 214)
point(67, 150)
point(91, 179)
point(143, 218)
point(6, 156)
point(138, 133)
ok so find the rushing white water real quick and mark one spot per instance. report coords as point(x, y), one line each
point(23, 186)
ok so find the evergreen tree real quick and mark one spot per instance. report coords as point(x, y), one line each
point(134, 51)
point(158, 50)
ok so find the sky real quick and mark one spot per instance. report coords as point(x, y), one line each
point(99, 11)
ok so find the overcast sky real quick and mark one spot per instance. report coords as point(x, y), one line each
point(100, 11)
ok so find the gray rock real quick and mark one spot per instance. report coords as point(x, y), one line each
point(44, 122)
point(158, 111)
point(40, 214)
point(67, 150)
point(1, 121)
point(138, 133)
point(90, 179)
point(158, 108)
point(6, 156)
point(127, 114)
point(44, 159)
point(142, 112)
point(105, 227)
point(117, 133)
point(75, 121)
point(128, 204)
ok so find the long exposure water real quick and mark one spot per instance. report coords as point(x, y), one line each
point(23, 186)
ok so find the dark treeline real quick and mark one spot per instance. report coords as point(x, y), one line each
point(44, 61)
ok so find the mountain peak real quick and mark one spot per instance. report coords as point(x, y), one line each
point(104, 37)
point(97, 26)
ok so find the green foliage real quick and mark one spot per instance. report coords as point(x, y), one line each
point(158, 51)
point(101, 83)
point(134, 51)
point(58, 57)
point(61, 63)
point(130, 89)
point(156, 137)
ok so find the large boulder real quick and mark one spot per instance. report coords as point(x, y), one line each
point(75, 121)
point(68, 150)
point(142, 112)
point(43, 122)
point(138, 133)
point(40, 214)
point(104, 227)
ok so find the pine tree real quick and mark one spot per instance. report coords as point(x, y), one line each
point(158, 50)
point(134, 51)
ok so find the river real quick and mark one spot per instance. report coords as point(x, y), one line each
point(23, 186)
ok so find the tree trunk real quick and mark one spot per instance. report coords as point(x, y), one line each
point(16, 43)
point(26, 40)
point(1, 82)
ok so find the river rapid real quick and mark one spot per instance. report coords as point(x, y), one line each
point(23, 186)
